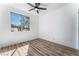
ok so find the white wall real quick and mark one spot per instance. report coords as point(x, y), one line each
point(6, 36)
point(59, 25)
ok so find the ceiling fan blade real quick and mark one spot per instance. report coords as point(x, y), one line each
point(37, 11)
point(30, 4)
point(42, 8)
point(31, 9)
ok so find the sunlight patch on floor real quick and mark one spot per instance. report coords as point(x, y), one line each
point(20, 51)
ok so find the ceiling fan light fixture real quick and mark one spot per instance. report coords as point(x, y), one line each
point(36, 9)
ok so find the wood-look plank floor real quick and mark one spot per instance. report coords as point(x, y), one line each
point(38, 47)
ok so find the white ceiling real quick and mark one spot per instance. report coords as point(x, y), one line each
point(53, 6)
point(49, 6)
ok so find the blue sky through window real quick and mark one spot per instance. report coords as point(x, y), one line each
point(15, 18)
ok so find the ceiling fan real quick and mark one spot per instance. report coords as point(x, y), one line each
point(36, 7)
